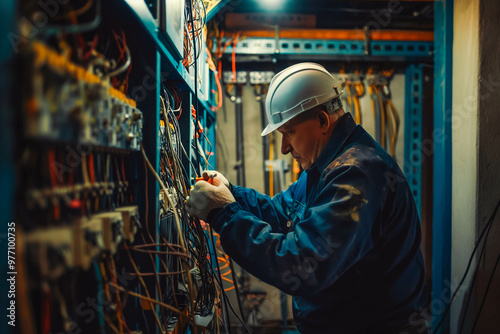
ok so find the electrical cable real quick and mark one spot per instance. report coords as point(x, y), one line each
point(224, 296)
point(395, 119)
point(483, 248)
point(179, 228)
point(124, 67)
point(486, 230)
point(73, 29)
point(382, 117)
point(237, 290)
point(485, 293)
point(158, 322)
point(377, 113)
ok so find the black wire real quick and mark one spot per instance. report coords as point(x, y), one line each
point(474, 278)
point(195, 80)
point(236, 288)
point(219, 280)
point(224, 296)
point(485, 293)
point(490, 221)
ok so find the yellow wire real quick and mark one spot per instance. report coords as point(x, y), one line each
point(392, 129)
point(359, 92)
point(395, 118)
point(79, 11)
point(382, 116)
point(105, 279)
point(178, 226)
point(349, 97)
point(370, 92)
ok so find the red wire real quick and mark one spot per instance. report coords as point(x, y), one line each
point(126, 78)
point(53, 179)
point(234, 58)
point(92, 47)
point(123, 169)
point(120, 47)
point(46, 304)
point(91, 168)
point(70, 177)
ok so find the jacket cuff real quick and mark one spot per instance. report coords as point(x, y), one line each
point(223, 215)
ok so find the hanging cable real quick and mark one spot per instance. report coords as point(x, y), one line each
point(484, 233)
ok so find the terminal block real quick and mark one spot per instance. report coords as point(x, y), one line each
point(90, 242)
point(130, 216)
point(68, 102)
point(112, 229)
point(54, 249)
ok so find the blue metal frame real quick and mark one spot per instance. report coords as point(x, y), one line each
point(7, 168)
point(290, 46)
point(413, 131)
point(216, 9)
point(441, 230)
point(146, 24)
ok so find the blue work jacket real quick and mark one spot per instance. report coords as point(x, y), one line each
point(344, 240)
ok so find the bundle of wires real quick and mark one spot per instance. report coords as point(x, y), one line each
point(193, 31)
point(385, 113)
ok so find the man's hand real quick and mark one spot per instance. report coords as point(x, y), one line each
point(204, 197)
point(212, 174)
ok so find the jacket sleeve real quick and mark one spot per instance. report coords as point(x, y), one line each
point(335, 232)
point(268, 209)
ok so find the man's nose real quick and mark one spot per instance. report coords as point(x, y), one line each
point(285, 145)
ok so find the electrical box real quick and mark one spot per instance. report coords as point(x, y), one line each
point(172, 23)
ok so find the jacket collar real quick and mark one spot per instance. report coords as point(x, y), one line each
point(345, 127)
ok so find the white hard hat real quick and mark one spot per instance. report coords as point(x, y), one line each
point(296, 89)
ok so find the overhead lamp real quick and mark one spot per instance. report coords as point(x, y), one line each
point(271, 4)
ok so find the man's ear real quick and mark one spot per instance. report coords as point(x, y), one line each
point(324, 121)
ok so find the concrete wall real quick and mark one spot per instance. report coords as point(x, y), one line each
point(464, 144)
point(476, 158)
point(489, 161)
point(226, 148)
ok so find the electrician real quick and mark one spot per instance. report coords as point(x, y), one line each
point(344, 239)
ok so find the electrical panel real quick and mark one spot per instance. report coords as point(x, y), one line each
point(67, 102)
point(172, 23)
point(104, 166)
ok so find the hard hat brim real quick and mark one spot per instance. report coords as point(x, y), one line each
point(272, 127)
point(269, 128)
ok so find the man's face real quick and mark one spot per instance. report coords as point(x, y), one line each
point(302, 141)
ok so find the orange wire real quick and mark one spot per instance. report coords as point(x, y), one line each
point(123, 169)
point(235, 42)
point(91, 168)
point(52, 159)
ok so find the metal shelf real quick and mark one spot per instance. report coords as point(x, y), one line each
point(140, 14)
point(405, 50)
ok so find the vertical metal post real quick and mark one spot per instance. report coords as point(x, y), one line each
point(413, 131)
point(8, 29)
point(265, 143)
point(240, 138)
point(443, 66)
point(210, 132)
point(151, 106)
